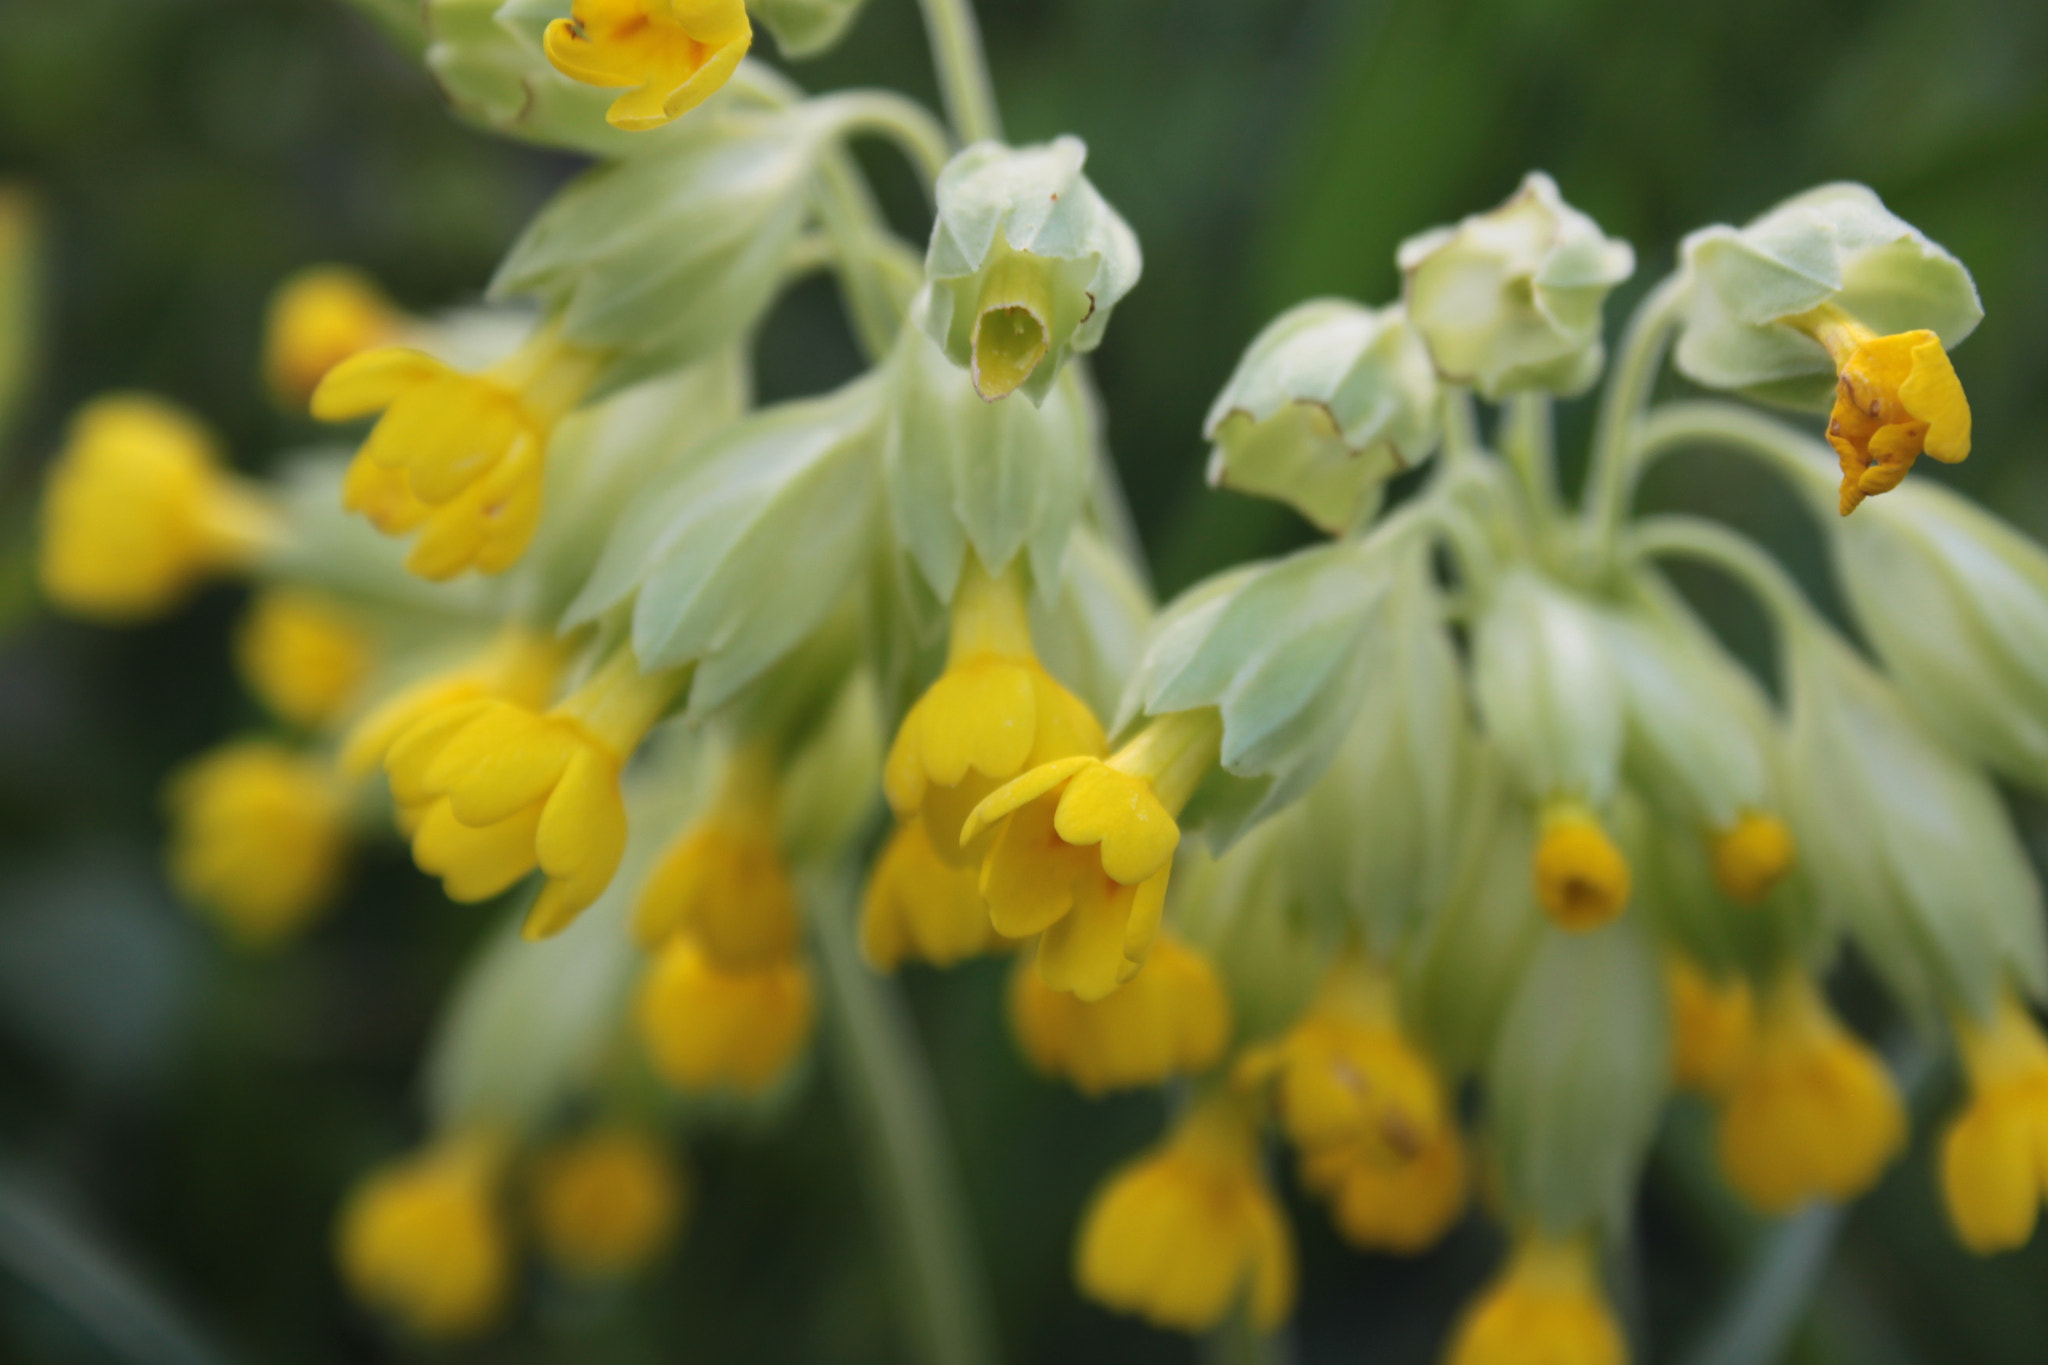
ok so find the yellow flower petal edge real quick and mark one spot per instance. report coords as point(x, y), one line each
point(1994, 1154)
point(1546, 1306)
point(1896, 398)
point(1172, 1020)
point(674, 54)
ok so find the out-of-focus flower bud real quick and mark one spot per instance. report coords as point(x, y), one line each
point(305, 656)
point(1547, 1305)
point(423, 1239)
point(318, 318)
point(806, 28)
point(1172, 1019)
point(1329, 402)
point(259, 838)
point(606, 1202)
point(1027, 260)
point(1509, 300)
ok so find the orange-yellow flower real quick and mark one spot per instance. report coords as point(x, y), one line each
point(1173, 1020)
point(918, 907)
point(723, 882)
point(1546, 1308)
point(1896, 397)
point(674, 54)
point(1994, 1156)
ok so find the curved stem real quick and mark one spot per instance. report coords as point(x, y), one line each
point(963, 70)
point(911, 1165)
point(1610, 479)
point(1734, 554)
point(1805, 461)
point(905, 122)
point(864, 248)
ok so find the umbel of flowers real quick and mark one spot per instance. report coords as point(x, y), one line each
point(1500, 847)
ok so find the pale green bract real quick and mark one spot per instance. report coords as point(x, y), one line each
point(806, 28)
point(1836, 244)
point(1330, 401)
point(1550, 697)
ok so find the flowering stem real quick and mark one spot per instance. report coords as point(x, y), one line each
point(1734, 554)
point(1809, 464)
point(1611, 478)
point(864, 248)
point(963, 70)
point(922, 138)
point(911, 1167)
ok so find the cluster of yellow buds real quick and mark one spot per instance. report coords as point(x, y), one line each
point(1502, 846)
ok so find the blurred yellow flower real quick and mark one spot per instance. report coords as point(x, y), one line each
point(1994, 1156)
point(1172, 1020)
point(1752, 856)
point(606, 1202)
point(1399, 1207)
point(1582, 879)
point(674, 54)
point(422, 1239)
point(920, 908)
point(318, 318)
point(723, 881)
point(707, 1028)
point(1546, 1308)
point(1712, 1025)
point(303, 656)
point(259, 838)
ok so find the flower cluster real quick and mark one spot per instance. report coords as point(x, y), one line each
point(1502, 846)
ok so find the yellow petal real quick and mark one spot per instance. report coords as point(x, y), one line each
point(371, 381)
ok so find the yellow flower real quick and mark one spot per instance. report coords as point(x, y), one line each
point(1346, 1075)
point(994, 713)
point(1896, 398)
point(302, 655)
point(1402, 1207)
point(497, 789)
point(422, 1240)
point(1190, 1231)
point(259, 836)
point(520, 667)
point(606, 1202)
point(138, 511)
point(1546, 1308)
point(1083, 848)
point(675, 54)
point(1582, 879)
point(1752, 856)
point(459, 457)
point(723, 882)
point(1812, 1112)
point(1712, 1024)
point(318, 318)
point(1994, 1156)
point(706, 1028)
point(1173, 1020)
point(919, 907)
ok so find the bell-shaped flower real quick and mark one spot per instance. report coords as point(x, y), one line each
point(606, 1202)
point(304, 655)
point(1994, 1156)
point(1547, 1306)
point(423, 1240)
point(1172, 1020)
point(259, 838)
point(920, 906)
point(709, 1028)
point(318, 318)
point(723, 881)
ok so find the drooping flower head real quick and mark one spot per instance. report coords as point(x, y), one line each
point(302, 655)
point(520, 666)
point(423, 1241)
point(1083, 847)
point(318, 318)
point(919, 907)
point(1994, 1156)
point(673, 54)
point(138, 512)
point(723, 881)
point(993, 714)
point(1812, 1113)
point(606, 1202)
point(708, 1028)
point(1896, 398)
point(1547, 1307)
point(259, 837)
point(1582, 879)
point(1191, 1231)
point(1172, 1020)
point(494, 790)
point(458, 457)
point(1402, 1208)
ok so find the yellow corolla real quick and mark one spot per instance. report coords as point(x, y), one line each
point(1173, 1020)
point(318, 318)
point(1994, 1156)
point(1582, 879)
point(918, 907)
point(1547, 1307)
point(460, 458)
point(673, 54)
point(1083, 848)
point(423, 1240)
point(302, 655)
point(994, 713)
point(1751, 856)
point(1713, 1023)
point(1401, 1207)
point(1896, 398)
point(708, 1028)
point(259, 838)
point(723, 881)
point(1191, 1231)
point(519, 666)
point(606, 1202)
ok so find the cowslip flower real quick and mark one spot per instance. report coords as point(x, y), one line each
point(520, 666)
point(1083, 847)
point(1994, 1156)
point(1812, 1112)
point(138, 512)
point(259, 838)
point(1712, 1021)
point(994, 713)
point(1547, 1306)
point(493, 790)
point(461, 458)
point(1172, 1020)
point(1403, 1208)
point(723, 881)
point(673, 54)
point(605, 1202)
point(1896, 398)
point(1582, 879)
point(706, 1027)
point(1751, 856)
point(1191, 1231)
point(303, 655)
point(318, 318)
point(423, 1241)
point(918, 907)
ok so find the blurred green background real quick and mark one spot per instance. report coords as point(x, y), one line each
point(177, 1121)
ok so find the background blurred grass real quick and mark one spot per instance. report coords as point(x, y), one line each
point(196, 1114)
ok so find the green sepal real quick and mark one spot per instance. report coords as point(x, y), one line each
point(1549, 698)
point(806, 28)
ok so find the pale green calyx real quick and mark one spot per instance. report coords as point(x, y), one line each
point(1834, 245)
point(1549, 695)
point(1509, 300)
point(998, 478)
point(667, 258)
point(1909, 846)
point(1329, 402)
point(1026, 262)
point(806, 28)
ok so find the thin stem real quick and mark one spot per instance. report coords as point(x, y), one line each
point(875, 268)
point(922, 138)
point(1804, 460)
point(911, 1167)
point(1237, 1342)
point(1734, 554)
point(1461, 426)
point(1610, 479)
point(963, 70)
